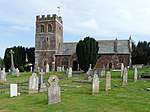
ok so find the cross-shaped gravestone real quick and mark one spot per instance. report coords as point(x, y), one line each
point(42, 86)
point(12, 61)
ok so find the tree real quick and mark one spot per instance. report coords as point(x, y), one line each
point(141, 53)
point(87, 53)
point(1, 63)
point(30, 55)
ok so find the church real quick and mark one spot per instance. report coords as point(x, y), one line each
point(50, 48)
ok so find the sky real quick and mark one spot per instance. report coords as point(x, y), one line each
point(100, 19)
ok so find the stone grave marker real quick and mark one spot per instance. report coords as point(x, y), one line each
point(17, 72)
point(33, 84)
point(125, 77)
point(89, 71)
point(3, 76)
point(53, 90)
point(70, 72)
point(31, 69)
point(108, 81)
point(103, 72)
point(53, 66)
point(13, 90)
point(95, 84)
point(122, 69)
point(59, 69)
point(42, 86)
point(38, 69)
point(135, 74)
point(47, 68)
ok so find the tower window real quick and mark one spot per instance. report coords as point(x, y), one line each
point(42, 28)
point(50, 28)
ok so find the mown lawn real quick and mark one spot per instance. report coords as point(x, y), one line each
point(131, 98)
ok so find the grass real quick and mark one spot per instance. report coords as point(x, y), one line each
point(131, 98)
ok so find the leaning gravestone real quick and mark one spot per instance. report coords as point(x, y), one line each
point(3, 76)
point(33, 84)
point(108, 81)
point(70, 72)
point(13, 90)
point(42, 86)
point(125, 77)
point(95, 84)
point(122, 69)
point(47, 68)
point(135, 74)
point(89, 71)
point(53, 90)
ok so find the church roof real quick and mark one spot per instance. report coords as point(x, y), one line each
point(105, 47)
point(67, 48)
point(108, 46)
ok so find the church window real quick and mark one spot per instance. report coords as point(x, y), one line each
point(42, 28)
point(50, 28)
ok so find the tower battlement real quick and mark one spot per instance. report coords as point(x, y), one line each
point(49, 17)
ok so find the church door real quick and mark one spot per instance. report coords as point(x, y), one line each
point(75, 65)
point(110, 65)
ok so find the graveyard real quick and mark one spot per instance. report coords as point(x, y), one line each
point(78, 97)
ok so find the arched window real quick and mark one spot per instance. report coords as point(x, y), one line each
point(50, 28)
point(42, 28)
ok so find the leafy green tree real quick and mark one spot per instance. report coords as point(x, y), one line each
point(141, 53)
point(1, 63)
point(30, 55)
point(19, 57)
point(87, 52)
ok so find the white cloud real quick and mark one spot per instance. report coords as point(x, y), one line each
point(22, 28)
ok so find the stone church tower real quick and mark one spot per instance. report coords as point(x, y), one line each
point(48, 39)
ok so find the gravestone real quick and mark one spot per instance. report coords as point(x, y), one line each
point(53, 90)
point(59, 69)
point(122, 69)
point(47, 68)
point(12, 62)
point(42, 86)
point(103, 72)
point(53, 66)
point(3, 76)
point(17, 72)
point(31, 69)
point(63, 68)
point(13, 90)
point(108, 81)
point(33, 84)
point(89, 72)
point(38, 69)
point(135, 74)
point(70, 72)
point(125, 77)
point(95, 84)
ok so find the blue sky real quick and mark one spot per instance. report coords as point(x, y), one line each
point(101, 19)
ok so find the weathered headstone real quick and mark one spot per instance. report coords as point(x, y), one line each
point(13, 90)
point(53, 66)
point(95, 84)
point(3, 76)
point(33, 84)
point(42, 86)
point(31, 69)
point(108, 81)
point(103, 72)
point(35, 67)
point(17, 72)
point(38, 69)
point(53, 90)
point(122, 69)
point(59, 69)
point(125, 77)
point(70, 72)
point(135, 74)
point(63, 68)
point(89, 71)
point(47, 68)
